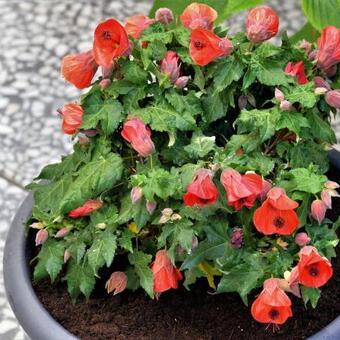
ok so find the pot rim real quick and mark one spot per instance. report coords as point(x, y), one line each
point(32, 315)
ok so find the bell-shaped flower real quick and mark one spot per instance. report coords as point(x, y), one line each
point(116, 283)
point(198, 15)
point(86, 209)
point(297, 70)
point(135, 25)
point(72, 115)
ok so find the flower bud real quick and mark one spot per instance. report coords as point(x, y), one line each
point(41, 237)
point(164, 15)
point(306, 46)
point(116, 283)
point(326, 198)
point(107, 71)
point(331, 185)
point(320, 82)
point(62, 232)
point(182, 82)
point(128, 51)
point(331, 72)
point(318, 210)
point(242, 101)
point(150, 207)
point(237, 238)
point(101, 226)
point(136, 194)
point(194, 244)
point(279, 96)
point(251, 99)
point(312, 55)
point(167, 212)
point(37, 225)
point(90, 132)
point(104, 84)
point(176, 217)
point(333, 98)
point(83, 139)
point(302, 239)
point(285, 105)
point(319, 91)
point(67, 255)
point(170, 67)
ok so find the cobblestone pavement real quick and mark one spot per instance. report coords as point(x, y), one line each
point(35, 34)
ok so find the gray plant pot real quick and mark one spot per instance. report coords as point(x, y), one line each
point(33, 317)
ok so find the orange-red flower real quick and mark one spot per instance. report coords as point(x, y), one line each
point(276, 214)
point(262, 24)
point(297, 70)
point(72, 115)
point(136, 133)
point(328, 53)
point(205, 46)
point(135, 25)
point(110, 42)
point(202, 190)
point(272, 305)
point(314, 270)
point(241, 190)
point(86, 209)
point(198, 16)
point(79, 69)
point(165, 274)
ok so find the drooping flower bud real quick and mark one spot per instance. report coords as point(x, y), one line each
point(318, 210)
point(302, 239)
point(312, 55)
point(320, 82)
point(279, 96)
point(41, 237)
point(331, 185)
point(182, 82)
point(306, 46)
point(319, 91)
point(166, 215)
point(116, 283)
point(104, 83)
point(170, 67)
point(331, 72)
point(62, 232)
point(129, 49)
point(237, 238)
point(175, 217)
point(326, 196)
point(136, 194)
point(251, 99)
point(164, 15)
point(333, 98)
point(72, 115)
point(150, 207)
point(285, 105)
point(67, 255)
point(135, 25)
point(242, 102)
point(37, 225)
point(90, 132)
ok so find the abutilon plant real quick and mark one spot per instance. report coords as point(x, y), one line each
point(196, 154)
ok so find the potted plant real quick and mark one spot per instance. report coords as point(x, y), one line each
point(196, 155)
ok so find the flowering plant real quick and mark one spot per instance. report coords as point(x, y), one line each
point(196, 155)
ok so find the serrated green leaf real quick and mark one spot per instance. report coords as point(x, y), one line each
point(270, 73)
point(234, 6)
point(304, 180)
point(320, 128)
point(303, 94)
point(311, 295)
point(293, 121)
point(213, 107)
point(134, 73)
point(200, 146)
point(125, 240)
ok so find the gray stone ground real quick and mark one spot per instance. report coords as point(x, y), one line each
point(34, 35)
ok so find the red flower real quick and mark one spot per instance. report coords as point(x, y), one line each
point(242, 190)
point(205, 46)
point(276, 214)
point(272, 305)
point(170, 67)
point(86, 209)
point(198, 16)
point(165, 274)
point(110, 42)
point(328, 53)
point(135, 25)
point(79, 69)
point(72, 115)
point(202, 190)
point(297, 70)
point(136, 133)
point(314, 270)
point(262, 24)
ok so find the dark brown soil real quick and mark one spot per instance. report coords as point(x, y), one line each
point(184, 315)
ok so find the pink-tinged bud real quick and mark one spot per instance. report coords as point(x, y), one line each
point(169, 66)
point(150, 207)
point(107, 71)
point(104, 83)
point(90, 132)
point(164, 15)
point(136, 194)
point(67, 255)
point(237, 238)
point(333, 98)
point(166, 215)
point(176, 217)
point(194, 242)
point(182, 82)
point(167, 212)
point(318, 210)
point(116, 283)
point(312, 55)
point(279, 96)
point(326, 198)
point(285, 105)
point(331, 185)
point(83, 139)
point(319, 91)
point(306, 46)
point(266, 186)
point(293, 281)
point(251, 100)
point(41, 237)
point(37, 225)
point(242, 102)
point(331, 72)
point(302, 239)
point(62, 232)
point(320, 82)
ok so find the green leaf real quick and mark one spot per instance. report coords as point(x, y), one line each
point(303, 94)
point(77, 248)
point(134, 73)
point(182, 35)
point(51, 260)
point(307, 181)
point(234, 6)
point(270, 73)
point(321, 13)
point(213, 107)
point(108, 113)
point(199, 79)
point(157, 32)
point(307, 32)
point(293, 121)
point(200, 146)
point(125, 240)
point(141, 262)
point(311, 295)
point(102, 250)
point(80, 279)
point(320, 128)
